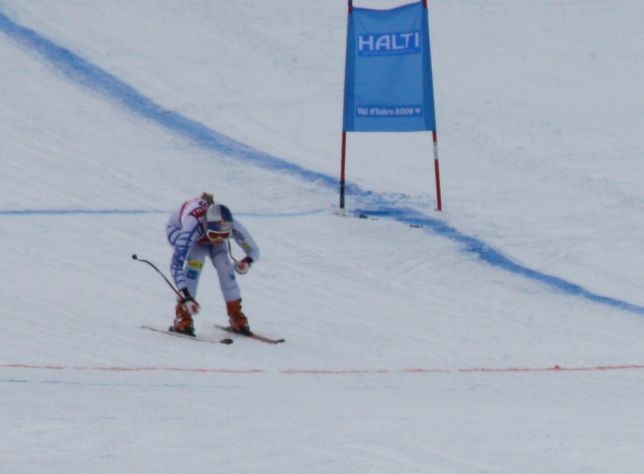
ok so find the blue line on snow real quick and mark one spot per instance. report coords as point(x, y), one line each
point(61, 212)
point(65, 212)
point(496, 258)
point(88, 75)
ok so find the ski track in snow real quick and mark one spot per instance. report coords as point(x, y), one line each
point(93, 77)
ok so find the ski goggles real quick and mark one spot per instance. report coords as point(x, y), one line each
point(216, 236)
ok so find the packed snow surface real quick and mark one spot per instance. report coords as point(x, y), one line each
point(504, 334)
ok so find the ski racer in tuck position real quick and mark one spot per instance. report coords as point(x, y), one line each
point(199, 229)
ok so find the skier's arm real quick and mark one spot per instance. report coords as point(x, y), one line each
point(247, 243)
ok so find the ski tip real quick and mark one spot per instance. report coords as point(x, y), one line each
point(226, 341)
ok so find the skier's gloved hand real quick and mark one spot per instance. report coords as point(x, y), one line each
point(243, 265)
point(189, 302)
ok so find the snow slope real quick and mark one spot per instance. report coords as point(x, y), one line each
point(500, 335)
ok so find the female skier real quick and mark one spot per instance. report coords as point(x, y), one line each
point(199, 229)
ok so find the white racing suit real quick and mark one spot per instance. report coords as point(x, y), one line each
point(185, 232)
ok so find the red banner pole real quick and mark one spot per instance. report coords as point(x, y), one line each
point(439, 203)
point(342, 167)
point(343, 159)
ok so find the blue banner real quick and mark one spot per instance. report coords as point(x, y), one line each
point(388, 77)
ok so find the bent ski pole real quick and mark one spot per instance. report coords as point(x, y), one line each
point(134, 257)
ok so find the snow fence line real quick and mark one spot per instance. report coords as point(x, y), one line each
point(304, 372)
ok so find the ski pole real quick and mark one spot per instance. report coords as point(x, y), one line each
point(230, 251)
point(134, 257)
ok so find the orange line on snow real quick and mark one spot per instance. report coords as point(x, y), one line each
point(418, 370)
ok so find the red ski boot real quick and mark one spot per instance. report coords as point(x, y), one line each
point(238, 320)
point(183, 321)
